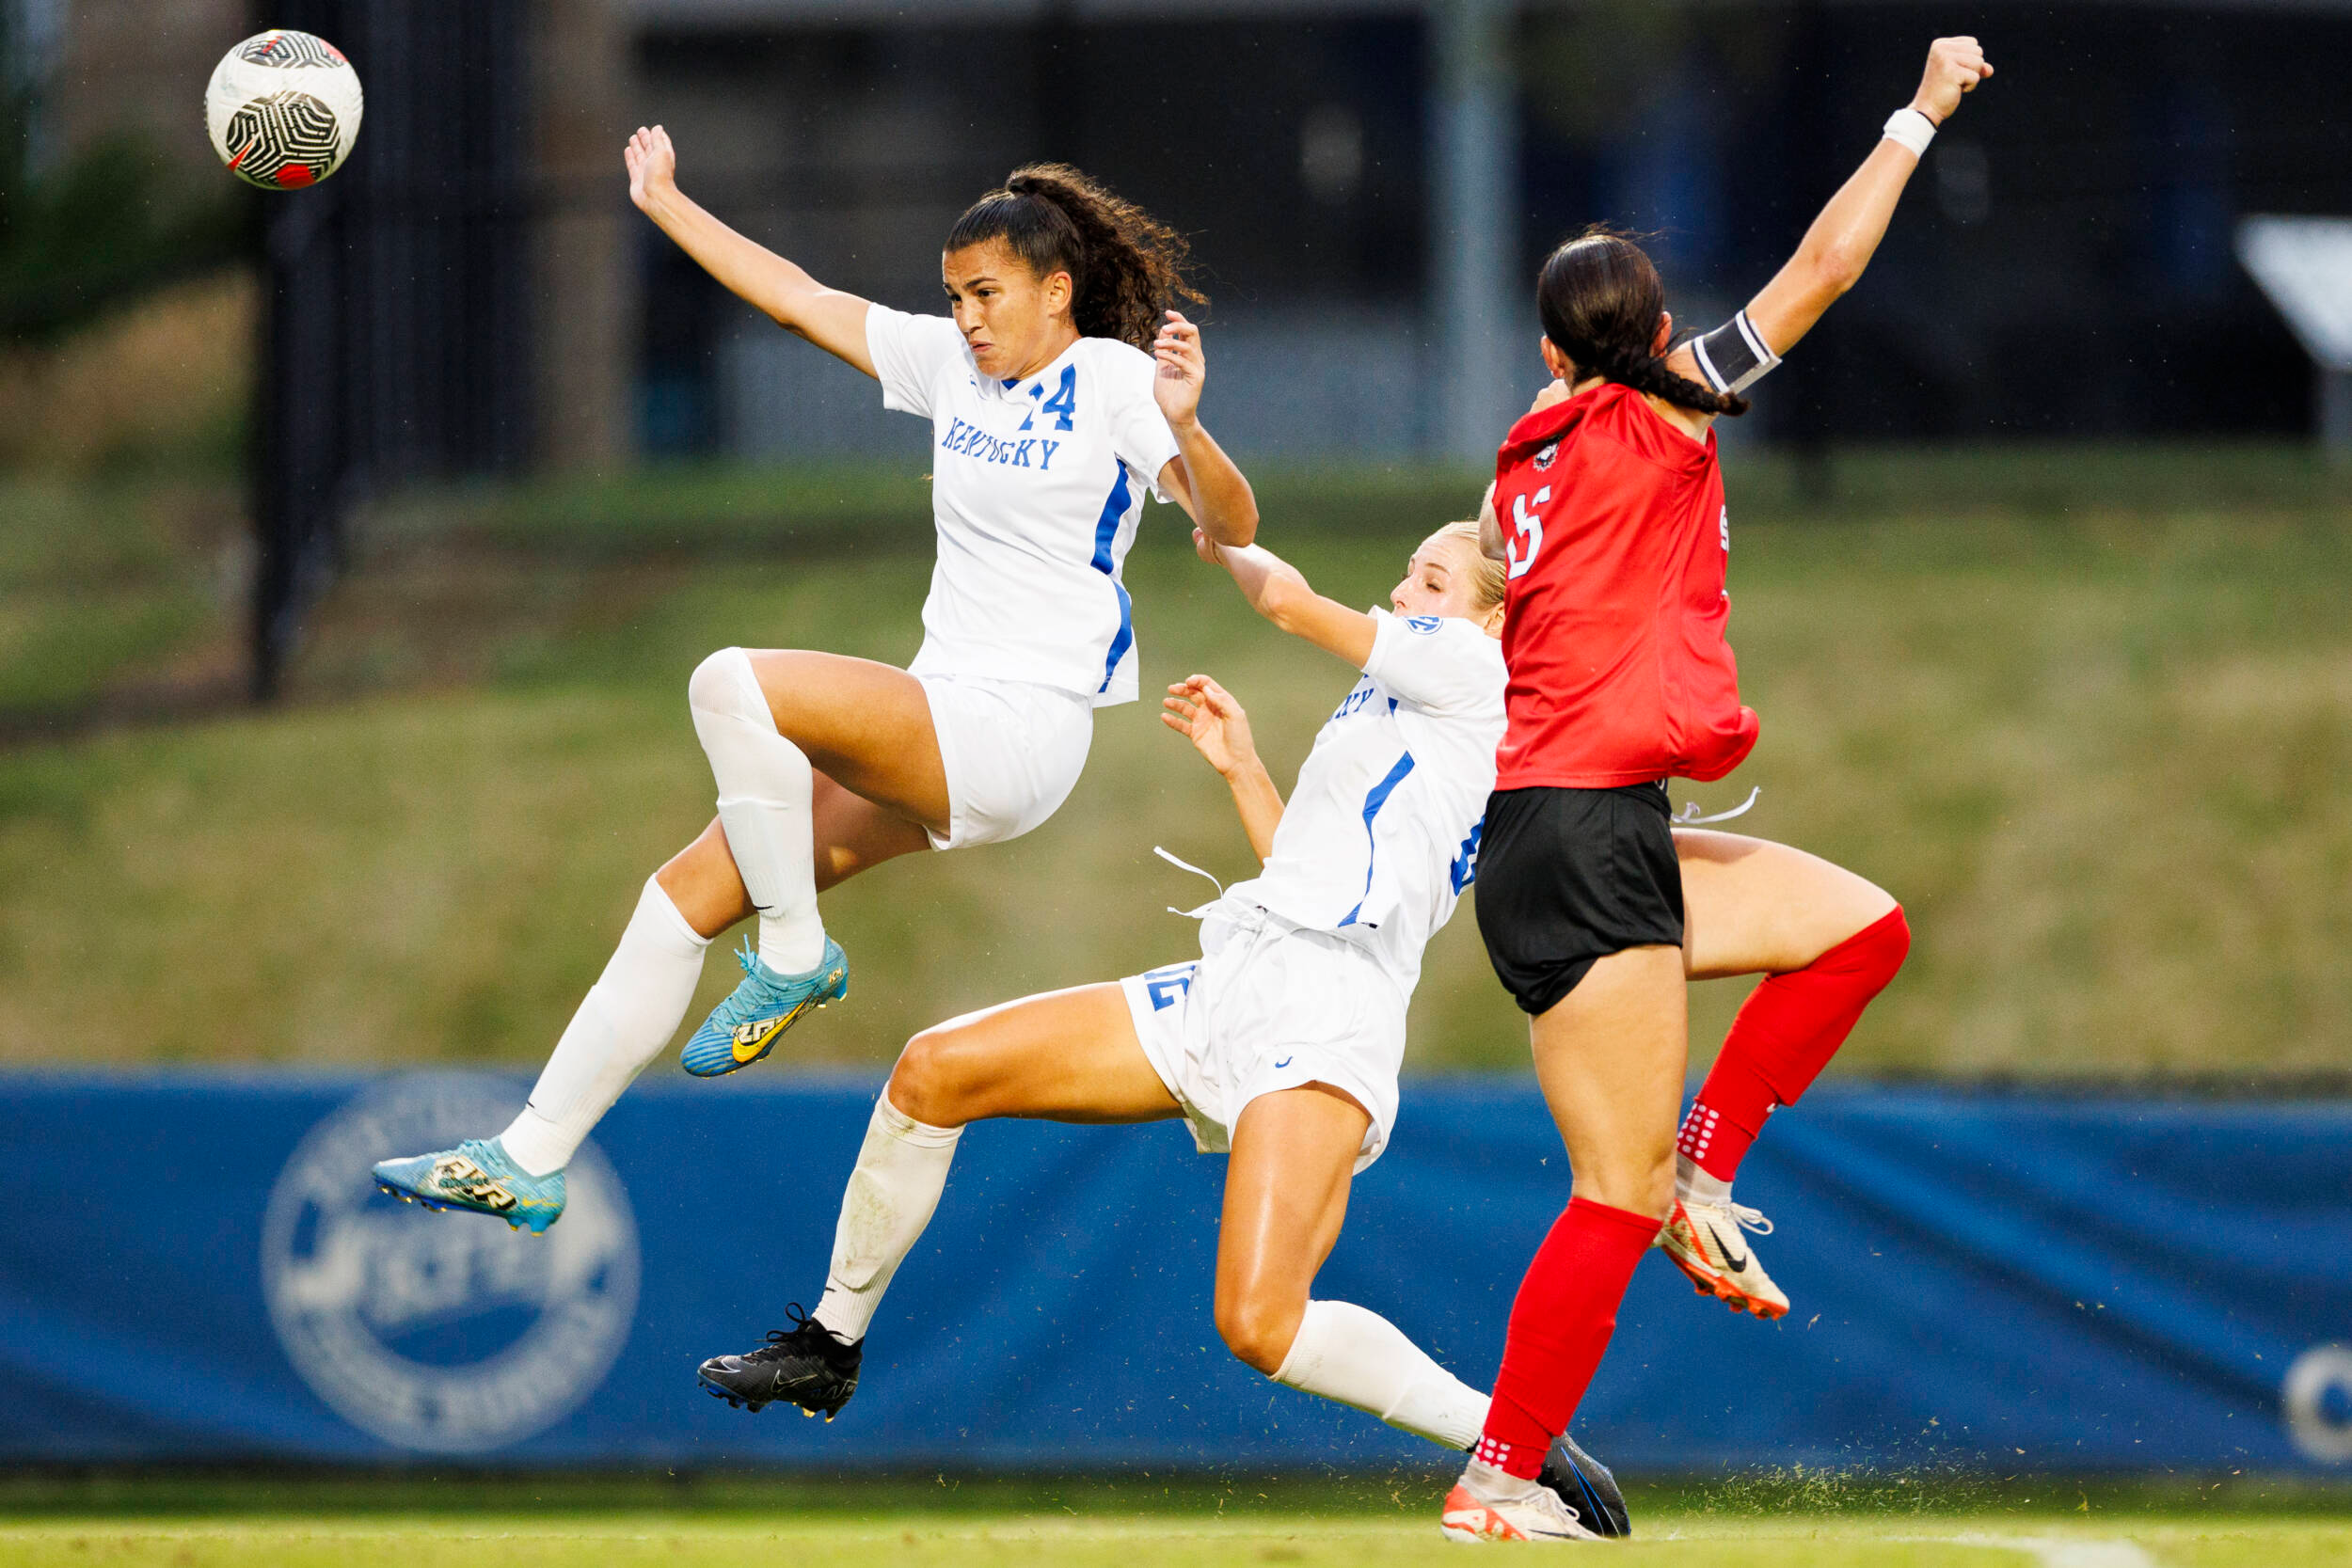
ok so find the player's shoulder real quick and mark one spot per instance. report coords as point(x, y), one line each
point(1448, 642)
point(1115, 358)
point(1454, 633)
point(916, 321)
point(937, 337)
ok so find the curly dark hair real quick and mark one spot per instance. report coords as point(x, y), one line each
point(1125, 266)
point(1600, 298)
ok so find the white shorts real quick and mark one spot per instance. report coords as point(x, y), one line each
point(1269, 1006)
point(1012, 750)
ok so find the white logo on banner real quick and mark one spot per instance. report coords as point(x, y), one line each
point(2319, 1432)
point(444, 1332)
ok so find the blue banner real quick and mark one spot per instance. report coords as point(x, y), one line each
point(197, 1268)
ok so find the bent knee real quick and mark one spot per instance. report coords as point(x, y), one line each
point(927, 1083)
point(1647, 1189)
point(723, 683)
point(1258, 1327)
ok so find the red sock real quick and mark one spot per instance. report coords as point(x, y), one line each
point(1786, 1033)
point(1560, 1324)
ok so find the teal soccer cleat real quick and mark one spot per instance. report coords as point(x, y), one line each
point(740, 1030)
point(477, 1176)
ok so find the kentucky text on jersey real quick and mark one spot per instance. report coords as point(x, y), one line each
point(1036, 494)
point(972, 441)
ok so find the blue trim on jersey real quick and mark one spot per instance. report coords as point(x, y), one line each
point(1105, 536)
point(1373, 803)
point(1125, 640)
point(1464, 870)
point(1107, 526)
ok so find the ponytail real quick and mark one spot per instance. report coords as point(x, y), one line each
point(1600, 300)
point(1125, 267)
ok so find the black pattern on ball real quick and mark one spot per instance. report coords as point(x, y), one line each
point(287, 139)
point(290, 48)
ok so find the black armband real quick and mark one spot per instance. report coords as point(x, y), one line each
point(1734, 356)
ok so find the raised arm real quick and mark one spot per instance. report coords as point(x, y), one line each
point(1276, 590)
point(1839, 245)
point(1206, 714)
point(1205, 482)
point(832, 320)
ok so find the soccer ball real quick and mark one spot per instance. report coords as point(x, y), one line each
point(284, 110)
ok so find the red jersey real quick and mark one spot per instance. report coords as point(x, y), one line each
point(1613, 629)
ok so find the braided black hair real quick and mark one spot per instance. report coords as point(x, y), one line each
point(1600, 298)
point(1125, 267)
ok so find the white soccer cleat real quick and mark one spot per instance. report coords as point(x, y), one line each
point(1703, 1237)
point(1486, 1504)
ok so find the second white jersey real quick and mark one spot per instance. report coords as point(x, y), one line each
point(1381, 832)
point(1037, 489)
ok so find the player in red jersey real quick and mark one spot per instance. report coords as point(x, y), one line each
point(1610, 510)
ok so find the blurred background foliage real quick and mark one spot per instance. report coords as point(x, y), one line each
point(2087, 711)
point(109, 223)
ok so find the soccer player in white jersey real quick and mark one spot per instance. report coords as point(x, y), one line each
point(1280, 1044)
point(1060, 389)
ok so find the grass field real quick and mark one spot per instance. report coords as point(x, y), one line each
point(1135, 1522)
point(2089, 715)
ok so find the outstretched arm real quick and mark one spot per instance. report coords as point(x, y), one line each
point(1202, 479)
point(1842, 241)
point(1206, 714)
point(832, 320)
point(1276, 590)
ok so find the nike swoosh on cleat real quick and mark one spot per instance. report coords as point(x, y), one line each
point(747, 1051)
point(1734, 1263)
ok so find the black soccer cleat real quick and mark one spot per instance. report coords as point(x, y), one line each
point(1586, 1486)
point(804, 1365)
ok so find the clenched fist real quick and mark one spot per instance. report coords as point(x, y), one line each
point(1955, 66)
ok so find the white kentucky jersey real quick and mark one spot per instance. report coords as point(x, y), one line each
point(1037, 486)
point(1381, 834)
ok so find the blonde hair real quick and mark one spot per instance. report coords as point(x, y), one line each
point(1490, 579)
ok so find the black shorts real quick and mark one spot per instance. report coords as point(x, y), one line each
point(1567, 877)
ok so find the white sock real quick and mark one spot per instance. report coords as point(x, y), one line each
point(901, 1170)
point(765, 786)
point(623, 1022)
point(1691, 1181)
point(1360, 1358)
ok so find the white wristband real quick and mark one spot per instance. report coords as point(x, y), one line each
point(1911, 128)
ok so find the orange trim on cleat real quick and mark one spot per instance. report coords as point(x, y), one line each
point(1704, 1241)
point(1468, 1519)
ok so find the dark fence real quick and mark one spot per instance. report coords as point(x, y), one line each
point(398, 321)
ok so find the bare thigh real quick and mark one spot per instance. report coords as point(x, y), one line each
point(865, 726)
point(852, 834)
point(1285, 1197)
point(1068, 1055)
point(1611, 1056)
point(1752, 906)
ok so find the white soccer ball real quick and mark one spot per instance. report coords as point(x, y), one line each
point(284, 110)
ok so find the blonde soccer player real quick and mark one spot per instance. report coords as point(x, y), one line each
point(1280, 1045)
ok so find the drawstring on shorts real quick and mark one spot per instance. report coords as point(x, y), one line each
point(1688, 818)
